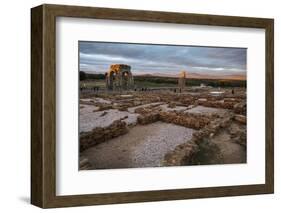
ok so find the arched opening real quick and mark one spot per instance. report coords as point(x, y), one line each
point(119, 77)
point(125, 80)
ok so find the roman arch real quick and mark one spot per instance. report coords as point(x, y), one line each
point(119, 77)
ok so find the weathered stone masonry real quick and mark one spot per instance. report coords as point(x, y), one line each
point(119, 77)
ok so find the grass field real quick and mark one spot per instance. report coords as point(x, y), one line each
point(154, 81)
point(139, 84)
point(93, 83)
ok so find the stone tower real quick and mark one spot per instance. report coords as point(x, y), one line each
point(181, 80)
point(119, 77)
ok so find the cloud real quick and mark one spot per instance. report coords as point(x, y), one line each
point(149, 58)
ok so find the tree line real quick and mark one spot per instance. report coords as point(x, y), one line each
point(169, 80)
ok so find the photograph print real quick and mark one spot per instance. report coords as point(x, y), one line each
point(158, 105)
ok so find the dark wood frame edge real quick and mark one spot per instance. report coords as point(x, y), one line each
point(43, 105)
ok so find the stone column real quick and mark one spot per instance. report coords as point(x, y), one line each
point(181, 80)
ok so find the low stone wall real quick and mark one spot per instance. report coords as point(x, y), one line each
point(147, 115)
point(99, 134)
point(188, 120)
point(241, 119)
point(181, 154)
point(148, 118)
point(218, 104)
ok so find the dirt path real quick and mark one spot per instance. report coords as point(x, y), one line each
point(143, 146)
point(230, 152)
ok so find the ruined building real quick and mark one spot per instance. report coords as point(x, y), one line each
point(181, 80)
point(119, 77)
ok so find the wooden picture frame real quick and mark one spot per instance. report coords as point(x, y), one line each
point(43, 105)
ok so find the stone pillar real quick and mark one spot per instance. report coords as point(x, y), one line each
point(131, 81)
point(181, 80)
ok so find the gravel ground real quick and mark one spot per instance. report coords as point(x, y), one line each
point(86, 109)
point(205, 110)
point(95, 100)
point(143, 146)
point(90, 119)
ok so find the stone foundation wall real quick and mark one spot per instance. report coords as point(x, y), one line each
point(148, 118)
point(218, 104)
point(99, 134)
point(188, 120)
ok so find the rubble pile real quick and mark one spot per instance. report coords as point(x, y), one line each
point(99, 134)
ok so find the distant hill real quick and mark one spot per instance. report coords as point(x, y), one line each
point(189, 75)
point(149, 80)
point(199, 76)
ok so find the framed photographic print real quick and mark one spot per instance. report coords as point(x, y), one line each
point(136, 106)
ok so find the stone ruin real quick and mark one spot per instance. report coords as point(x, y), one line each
point(119, 77)
point(229, 123)
point(181, 80)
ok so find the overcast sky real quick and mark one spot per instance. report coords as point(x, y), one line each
point(96, 57)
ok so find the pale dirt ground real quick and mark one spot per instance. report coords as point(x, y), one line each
point(220, 150)
point(146, 146)
point(90, 119)
point(205, 110)
point(96, 100)
point(142, 146)
point(230, 152)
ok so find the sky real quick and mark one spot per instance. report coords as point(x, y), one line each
point(96, 57)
